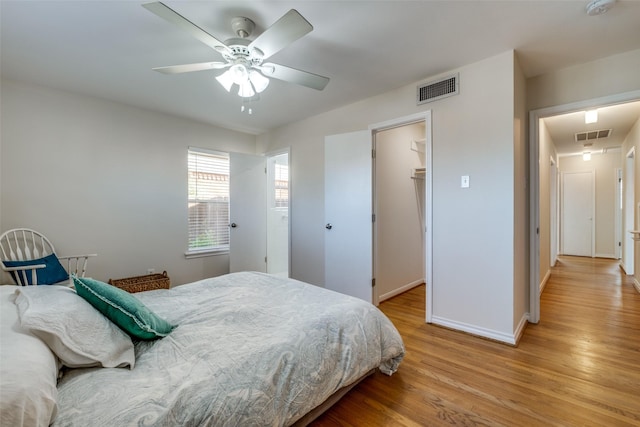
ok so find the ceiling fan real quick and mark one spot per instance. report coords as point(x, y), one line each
point(244, 58)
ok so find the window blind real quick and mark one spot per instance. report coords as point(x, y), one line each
point(208, 203)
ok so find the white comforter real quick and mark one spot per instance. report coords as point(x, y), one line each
point(250, 350)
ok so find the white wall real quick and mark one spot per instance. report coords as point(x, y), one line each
point(1, 127)
point(399, 259)
point(604, 166)
point(633, 140)
point(596, 79)
point(547, 152)
point(473, 229)
point(96, 176)
point(521, 270)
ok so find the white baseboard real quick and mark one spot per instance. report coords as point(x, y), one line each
point(544, 281)
point(524, 320)
point(624, 268)
point(606, 256)
point(400, 290)
point(479, 331)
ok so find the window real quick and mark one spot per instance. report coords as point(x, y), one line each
point(281, 185)
point(208, 202)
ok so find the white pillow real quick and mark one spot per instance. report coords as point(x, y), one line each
point(28, 371)
point(76, 332)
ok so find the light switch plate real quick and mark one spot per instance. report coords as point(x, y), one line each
point(464, 181)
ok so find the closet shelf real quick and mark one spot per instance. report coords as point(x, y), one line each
point(418, 145)
point(418, 173)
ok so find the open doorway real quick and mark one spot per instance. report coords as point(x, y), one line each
point(417, 175)
point(278, 223)
point(399, 205)
point(259, 213)
point(579, 149)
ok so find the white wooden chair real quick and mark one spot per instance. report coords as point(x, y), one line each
point(24, 246)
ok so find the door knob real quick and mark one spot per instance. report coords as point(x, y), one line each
point(328, 226)
point(234, 225)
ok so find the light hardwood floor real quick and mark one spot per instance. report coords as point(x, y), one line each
point(580, 366)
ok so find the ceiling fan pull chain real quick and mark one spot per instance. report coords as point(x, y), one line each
point(246, 106)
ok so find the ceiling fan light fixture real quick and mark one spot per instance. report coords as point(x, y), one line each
point(246, 90)
point(598, 7)
point(239, 74)
point(226, 80)
point(258, 81)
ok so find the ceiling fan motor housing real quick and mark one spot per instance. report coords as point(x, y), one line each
point(240, 52)
point(242, 26)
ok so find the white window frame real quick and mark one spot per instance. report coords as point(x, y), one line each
point(194, 251)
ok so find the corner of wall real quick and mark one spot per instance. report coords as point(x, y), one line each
point(521, 196)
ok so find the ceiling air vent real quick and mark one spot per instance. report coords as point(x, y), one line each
point(592, 135)
point(439, 89)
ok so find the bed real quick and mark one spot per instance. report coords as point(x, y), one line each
point(244, 349)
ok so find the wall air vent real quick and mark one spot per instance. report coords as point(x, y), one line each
point(592, 135)
point(438, 89)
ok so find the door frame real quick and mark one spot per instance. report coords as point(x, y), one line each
point(554, 229)
point(618, 220)
point(425, 117)
point(534, 183)
point(628, 212)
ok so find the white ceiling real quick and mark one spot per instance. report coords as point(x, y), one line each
point(107, 48)
point(619, 118)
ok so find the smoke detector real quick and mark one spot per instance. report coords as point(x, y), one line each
point(598, 7)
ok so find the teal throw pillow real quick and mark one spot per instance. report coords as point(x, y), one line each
point(123, 309)
point(53, 272)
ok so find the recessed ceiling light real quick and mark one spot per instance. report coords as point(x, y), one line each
point(591, 116)
point(598, 7)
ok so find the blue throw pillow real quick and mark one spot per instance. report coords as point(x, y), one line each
point(53, 272)
point(123, 309)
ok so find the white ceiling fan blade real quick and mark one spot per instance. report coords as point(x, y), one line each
point(289, 28)
point(292, 75)
point(187, 68)
point(175, 18)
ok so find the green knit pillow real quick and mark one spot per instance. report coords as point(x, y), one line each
point(123, 309)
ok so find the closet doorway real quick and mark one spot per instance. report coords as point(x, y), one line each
point(399, 206)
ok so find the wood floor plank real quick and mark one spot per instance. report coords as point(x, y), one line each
point(579, 366)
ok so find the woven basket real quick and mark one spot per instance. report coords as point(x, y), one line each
point(148, 282)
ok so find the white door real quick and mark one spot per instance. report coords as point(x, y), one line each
point(577, 213)
point(348, 217)
point(247, 213)
point(278, 214)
